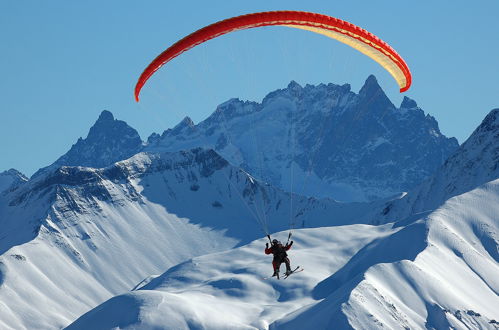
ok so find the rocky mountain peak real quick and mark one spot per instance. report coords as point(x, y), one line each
point(370, 87)
point(372, 97)
point(109, 140)
point(294, 87)
point(10, 179)
point(490, 123)
point(408, 103)
point(105, 116)
point(109, 128)
point(185, 126)
point(184, 123)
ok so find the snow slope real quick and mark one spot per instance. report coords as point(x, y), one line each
point(226, 290)
point(437, 271)
point(74, 237)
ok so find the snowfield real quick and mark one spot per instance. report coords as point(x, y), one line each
point(227, 290)
point(438, 271)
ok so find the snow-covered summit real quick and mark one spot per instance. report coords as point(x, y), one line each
point(323, 140)
point(109, 140)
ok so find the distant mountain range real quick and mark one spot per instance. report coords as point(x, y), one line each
point(322, 141)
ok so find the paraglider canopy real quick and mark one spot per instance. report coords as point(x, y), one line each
point(335, 28)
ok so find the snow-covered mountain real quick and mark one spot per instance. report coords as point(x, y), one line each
point(109, 140)
point(73, 237)
point(438, 271)
point(322, 140)
point(429, 270)
point(473, 164)
point(10, 179)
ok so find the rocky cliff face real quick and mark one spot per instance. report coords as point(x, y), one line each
point(474, 163)
point(11, 179)
point(108, 141)
point(322, 140)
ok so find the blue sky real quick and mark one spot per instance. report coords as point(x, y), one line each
point(63, 62)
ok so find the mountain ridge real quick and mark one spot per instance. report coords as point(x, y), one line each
point(10, 179)
point(109, 140)
point(318, 140)
point(474, 163)
point(351, 147)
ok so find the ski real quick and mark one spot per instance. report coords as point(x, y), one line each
point(296, 270)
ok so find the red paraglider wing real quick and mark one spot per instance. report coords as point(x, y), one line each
point(350, 34)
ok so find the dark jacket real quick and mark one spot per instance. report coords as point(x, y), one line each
point(279, 250)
